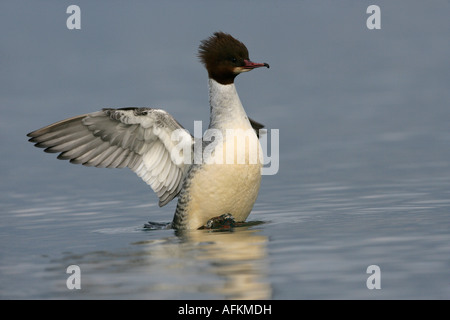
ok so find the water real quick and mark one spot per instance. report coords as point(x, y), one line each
point(364, 174)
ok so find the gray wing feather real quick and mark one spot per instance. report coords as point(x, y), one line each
point(137, 138)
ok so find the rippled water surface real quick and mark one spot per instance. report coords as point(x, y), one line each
point(364, 174)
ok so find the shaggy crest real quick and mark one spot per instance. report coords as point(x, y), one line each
point(222, 54)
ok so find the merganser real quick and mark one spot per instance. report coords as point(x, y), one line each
point(142, 139)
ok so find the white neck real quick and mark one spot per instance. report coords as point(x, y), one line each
point(227, 111)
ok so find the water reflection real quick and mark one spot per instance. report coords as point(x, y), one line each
point(237, 258)
point(196, 264)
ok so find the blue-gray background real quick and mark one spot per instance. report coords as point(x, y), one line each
point(364, 150)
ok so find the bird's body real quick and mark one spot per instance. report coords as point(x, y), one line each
point(220, 185)
point(155, 146)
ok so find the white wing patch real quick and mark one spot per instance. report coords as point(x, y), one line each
point(137, 138)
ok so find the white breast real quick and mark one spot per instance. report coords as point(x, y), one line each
point(229, 179)
point(218, 189)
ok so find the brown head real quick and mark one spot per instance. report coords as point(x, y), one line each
point(225, 57)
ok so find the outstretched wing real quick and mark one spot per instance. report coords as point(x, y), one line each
point(141, 139)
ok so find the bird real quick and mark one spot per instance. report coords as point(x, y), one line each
point(162, 152)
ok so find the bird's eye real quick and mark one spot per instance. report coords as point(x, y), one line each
point(233, 59)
